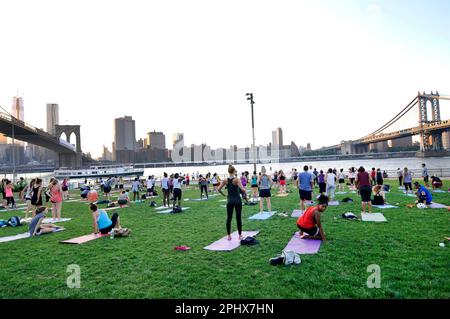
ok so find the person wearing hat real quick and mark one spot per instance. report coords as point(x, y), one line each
point(423, 194)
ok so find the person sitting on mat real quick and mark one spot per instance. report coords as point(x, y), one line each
point(92, 196)
point(436, 182)
point(379, 197)
point(123, 199)
point(309, 223)
point(37, 228)
point(101, 222)
point(423, 194)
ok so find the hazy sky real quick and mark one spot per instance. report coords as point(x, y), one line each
point(324, 71)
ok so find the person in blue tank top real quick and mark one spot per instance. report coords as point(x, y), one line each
point(423, 194)
point(234, 201)
point(254, 183)
point(101, 222)
point(265, 183)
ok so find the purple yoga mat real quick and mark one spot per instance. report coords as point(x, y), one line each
point(228, 245)
point(303, 246)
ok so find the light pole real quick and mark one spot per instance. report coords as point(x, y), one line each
point(250, 98)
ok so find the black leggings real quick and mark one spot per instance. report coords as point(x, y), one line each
point(10, 200)
point(204, 187)
point(408, 185)
point(238, 208)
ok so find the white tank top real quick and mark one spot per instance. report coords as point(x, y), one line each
point(330, 179)
point(176, 183)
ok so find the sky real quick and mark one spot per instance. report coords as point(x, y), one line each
point(323, 71)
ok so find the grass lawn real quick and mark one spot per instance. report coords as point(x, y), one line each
point(145, 265)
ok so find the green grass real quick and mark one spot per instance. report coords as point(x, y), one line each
point(145, 264)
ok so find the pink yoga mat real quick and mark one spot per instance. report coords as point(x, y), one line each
point(82, 239)
point(303, 246)
point(228, 245)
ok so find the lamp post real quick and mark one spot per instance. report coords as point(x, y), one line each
point(250, 98)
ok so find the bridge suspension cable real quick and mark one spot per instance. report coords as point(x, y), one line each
point(395, 118)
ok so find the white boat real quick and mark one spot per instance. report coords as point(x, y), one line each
point(99, 171)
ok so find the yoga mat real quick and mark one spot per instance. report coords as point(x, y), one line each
point(341, 193)
point(10, 210)
point(297, 213)
point(439, 191)
point(262, 216)
point(436, 205)
point(187, 199)
point(223, 200)
point(82, 239)
point(168, 211)
point(224, 244)
point(282, 195)
point(333, 203)
point(213, 195)
point(409, 195)
point(161, 207)
point(46, 220)
point(72, 200)
point(199, 200)
point(373, 217)
point(112, 208)
point(303, 246)
point(15, 237)
point(385, 206)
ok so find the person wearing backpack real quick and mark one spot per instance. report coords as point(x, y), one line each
point(310, 224)
point(234, 201)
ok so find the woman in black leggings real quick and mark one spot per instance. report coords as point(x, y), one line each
point(234, 186)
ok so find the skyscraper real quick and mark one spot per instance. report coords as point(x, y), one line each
point(157, 140)
point(52, 117)
point(124, 139)
point(177, 137)
point(17, 108)
point(277, 137)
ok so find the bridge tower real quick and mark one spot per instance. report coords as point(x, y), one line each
point(429, 141)
point(73, 161)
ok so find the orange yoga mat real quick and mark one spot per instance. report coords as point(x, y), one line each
point(82, 239)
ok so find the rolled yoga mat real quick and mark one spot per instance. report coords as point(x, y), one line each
point(224, 244)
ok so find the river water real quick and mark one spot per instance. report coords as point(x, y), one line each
point(439, 166)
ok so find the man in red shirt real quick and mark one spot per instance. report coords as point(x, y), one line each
point(309, 223)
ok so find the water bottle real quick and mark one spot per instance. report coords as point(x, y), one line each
point(111, 234)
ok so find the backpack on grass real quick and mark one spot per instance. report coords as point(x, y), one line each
point(177, 210)
point(249, 241)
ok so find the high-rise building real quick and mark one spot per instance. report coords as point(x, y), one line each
point(124, 139)
point(308, 146)
point(156, 140)
point(17, 108)
point(277, 137)
point(177, 137)
point(52, 117)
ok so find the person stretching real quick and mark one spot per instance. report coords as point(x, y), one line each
point(310, 224)
point(123, 199)
point(234, 202)
point(423, 194)
point(101, 222)
point(177, 190)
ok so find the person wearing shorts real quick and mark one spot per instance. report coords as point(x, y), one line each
point(165, 190)
point(264, 183)
point(177, 190)
point(363, 182)
point(423, 194)
point(123, 199)
point(101, 222)
point(305, 185)
point(310, 224)
point(407, 180)
point(425, 174)
point(341, 179)
point(282, 179)
point(135, 186)
point(254, 184)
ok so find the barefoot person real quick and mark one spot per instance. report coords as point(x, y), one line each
point(36, 199)
point(101, 222)
point(254, 184)
point(265, 183)
point(310, 224)
point(365, 189)
point(165, 190)
point(56, 198)
point(305, 185)
point(37, 227)
point(234, 202)
point(28, 191)
point(203, 187)
point(177, 179)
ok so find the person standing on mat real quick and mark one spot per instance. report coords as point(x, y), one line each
point(165, 190)
point(234, 202)
point(9, 194)
point(36, 199)
point(341, 179)
point(101, 222)
point(254, 182)
point(310, 224)
point(56, 198)
point(407, 180)
point(282, 179)
point(352, 178)
point(423, 194)
point(203, 186)
point(177, 190)
point(330, 179)
point(28, 191)
point(321, 182)
point(265, 183)
point(305, 187)
point(365, 189)
point(380, 180)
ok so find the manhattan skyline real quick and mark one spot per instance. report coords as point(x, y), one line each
point(186, 67)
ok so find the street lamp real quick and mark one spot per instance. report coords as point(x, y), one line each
point(250, 98)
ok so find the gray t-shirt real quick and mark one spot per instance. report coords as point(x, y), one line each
point(34, 222)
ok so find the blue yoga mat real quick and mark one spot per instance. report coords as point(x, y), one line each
point(385, 206)
point(262, 216)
